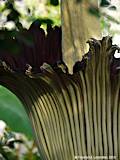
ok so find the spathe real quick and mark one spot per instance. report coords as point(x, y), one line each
point(72, 115)
point(41, 48)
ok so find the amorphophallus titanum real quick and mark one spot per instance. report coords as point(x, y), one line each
point(73, 115)
point(80, 21)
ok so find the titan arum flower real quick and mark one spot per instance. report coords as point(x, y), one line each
point(75, 114)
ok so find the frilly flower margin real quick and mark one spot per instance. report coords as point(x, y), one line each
point(72, 115)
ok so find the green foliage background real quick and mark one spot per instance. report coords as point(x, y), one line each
point(13, 113)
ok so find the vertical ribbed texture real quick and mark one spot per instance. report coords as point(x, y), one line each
point(74, 115)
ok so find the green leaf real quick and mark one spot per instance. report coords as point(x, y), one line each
point(94, 11)
point(54, 2)
point(13, 113)
point(104, 3)
point(13, 16)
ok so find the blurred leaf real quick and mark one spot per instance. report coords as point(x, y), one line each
point(9, 4)
point(54, 2)
point(13, 16)
point(41, 21)
point(94, 11)
point(19, 25)
point(13, 113)
point(47, 21)
point(11, 143)
point(110, 18)
point(7, 153)
point(104, 3)
point(78, 1)
point(113, 8)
